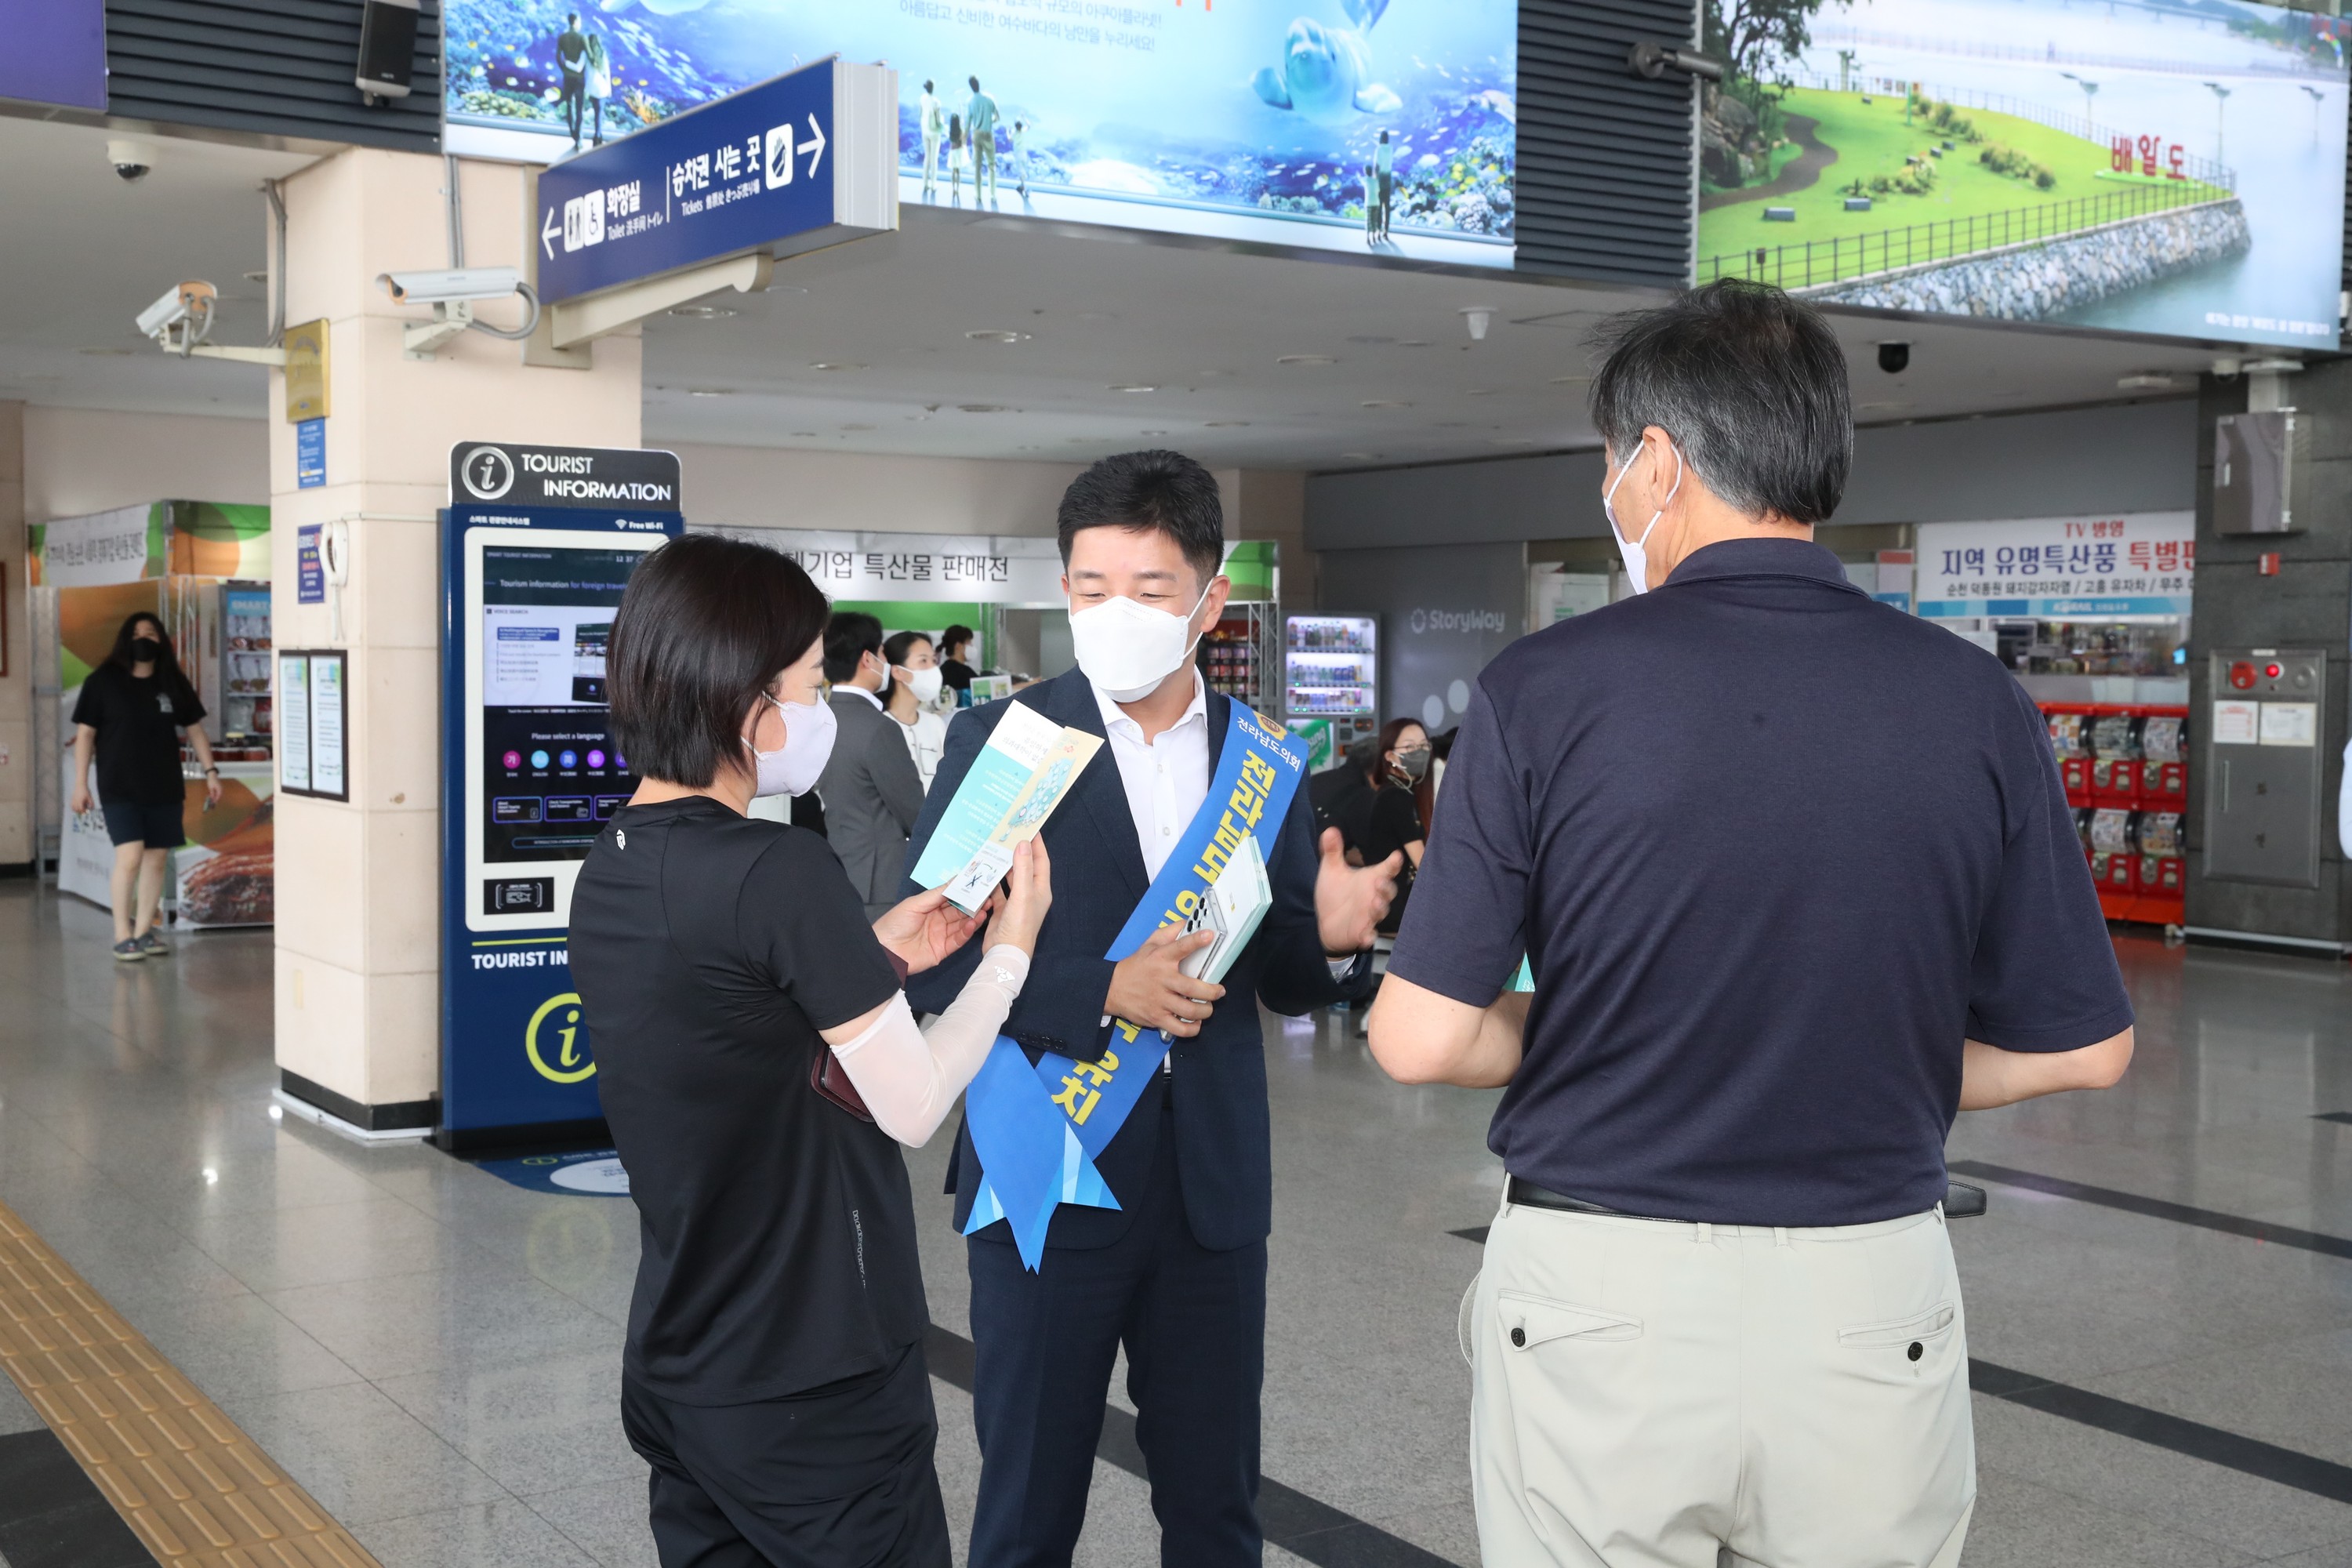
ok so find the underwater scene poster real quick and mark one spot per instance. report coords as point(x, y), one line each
point(1382, 124)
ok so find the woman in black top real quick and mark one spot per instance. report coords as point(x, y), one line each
point(1388, 817)
point(955, 663)
point(128, 718)
point(758, 1066)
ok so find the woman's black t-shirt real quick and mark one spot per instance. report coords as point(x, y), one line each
point(1392, 820)
point(778, 1230)
point(137, 720)
point(956, 674)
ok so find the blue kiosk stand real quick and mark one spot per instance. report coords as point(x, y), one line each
point(537, 546)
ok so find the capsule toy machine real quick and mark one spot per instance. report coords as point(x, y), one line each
point(2125, 768)
point(539, 543)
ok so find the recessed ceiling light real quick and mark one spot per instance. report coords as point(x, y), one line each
point(1307, 359)
point(2147, 381)
point(1371, 338)
point(1480, 392)
point(1384, 403)
point(998, 337)
point(858, 427)
point(1361, 456)
point(1226, 424)
point(1132, 386)
point(1413, 343)
point(981, 407)
point(833, 364)
point(709, 392)
point(1151, 432)
point(702, 312)
point(1569, 380)
point(804, 435)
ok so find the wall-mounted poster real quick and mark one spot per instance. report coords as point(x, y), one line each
point(2168, 166)
point(1328, 123)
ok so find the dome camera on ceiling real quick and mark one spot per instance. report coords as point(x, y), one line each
point(130, 159)
point(1895, 358)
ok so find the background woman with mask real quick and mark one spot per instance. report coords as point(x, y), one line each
point(759, 1066)
point(914, 699)
point(955, 662)
point(1388, 817)
point(128, 718)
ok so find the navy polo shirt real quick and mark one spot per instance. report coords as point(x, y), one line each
point(1773, 851)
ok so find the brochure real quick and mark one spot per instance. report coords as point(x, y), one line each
point(1233, 907)
point(1019, 777)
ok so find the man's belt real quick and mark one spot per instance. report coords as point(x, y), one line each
point(1961, 1201)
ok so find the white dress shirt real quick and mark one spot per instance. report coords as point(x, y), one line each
point(861, 691)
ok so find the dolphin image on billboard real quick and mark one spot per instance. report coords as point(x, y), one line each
point(2170, 167)
point(1387, 125)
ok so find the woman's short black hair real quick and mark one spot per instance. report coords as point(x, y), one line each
point(894, 650)
point(1154, 490)
point(1751, 384)
point(849, 636)
point(955, 636)
point(706, 625)
point(167, 665)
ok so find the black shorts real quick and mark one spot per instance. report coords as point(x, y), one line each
point(159, 827)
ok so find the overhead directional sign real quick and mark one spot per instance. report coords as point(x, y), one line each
point(795, 163)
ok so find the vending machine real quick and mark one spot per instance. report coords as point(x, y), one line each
point(1331, 673)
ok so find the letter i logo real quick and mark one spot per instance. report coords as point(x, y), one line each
point(557, 1025)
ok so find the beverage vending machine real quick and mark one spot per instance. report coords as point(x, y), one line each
point(1331, 672)
point(2125, 768)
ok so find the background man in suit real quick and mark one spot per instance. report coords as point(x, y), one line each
point(1177, 1273)
point(870, 787)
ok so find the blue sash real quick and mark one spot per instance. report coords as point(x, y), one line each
point(1039, 1129)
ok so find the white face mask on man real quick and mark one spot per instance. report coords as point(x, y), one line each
point(1637, 560)
point(1128, 649)
point(793, 767)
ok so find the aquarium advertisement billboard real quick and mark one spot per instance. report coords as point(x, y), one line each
point(1387, 126)
point(2161, 166)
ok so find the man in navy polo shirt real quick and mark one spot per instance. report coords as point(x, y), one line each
point(1798, 882)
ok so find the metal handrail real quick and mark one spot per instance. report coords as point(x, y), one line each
point(1804, 264)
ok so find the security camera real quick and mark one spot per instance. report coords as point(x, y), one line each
point(453, 294)
point(444, 288)
point(132, 160)
point(1894, 358)
point(182, 318)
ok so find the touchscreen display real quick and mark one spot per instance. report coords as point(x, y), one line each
point(551, 775)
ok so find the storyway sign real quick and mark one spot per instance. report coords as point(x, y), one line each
point(795, 163)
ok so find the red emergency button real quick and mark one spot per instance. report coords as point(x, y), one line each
point(2241, 675)
point(2272, 670)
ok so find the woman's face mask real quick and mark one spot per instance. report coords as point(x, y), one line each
point(143, 650)
point(1413, 762)
point(793, 767)
point(923, 683)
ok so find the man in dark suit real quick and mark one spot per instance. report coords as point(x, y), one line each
point(1177, 1273)
point(870, 788)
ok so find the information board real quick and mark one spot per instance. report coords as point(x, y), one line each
point(2058, 568)
point(312, 711)
point(539, 546)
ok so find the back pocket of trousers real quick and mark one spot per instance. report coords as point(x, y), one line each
point(1527, 1321)
point(1919, 1329)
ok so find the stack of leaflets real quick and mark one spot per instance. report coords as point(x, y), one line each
point(1019, 777)
point(1233, 907)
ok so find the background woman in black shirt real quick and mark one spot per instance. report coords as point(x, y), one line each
point(955, 663)
point(758, 1066)
point(1388, 815)
point(128, 718)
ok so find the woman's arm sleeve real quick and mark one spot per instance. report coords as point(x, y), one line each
point(910, 1077)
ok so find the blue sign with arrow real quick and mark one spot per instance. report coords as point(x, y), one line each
point(797, 162)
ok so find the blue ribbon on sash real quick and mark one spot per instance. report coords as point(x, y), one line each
point(1039, 1128)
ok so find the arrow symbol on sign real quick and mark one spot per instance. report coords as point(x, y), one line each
point(547, 234)
point(816, 144)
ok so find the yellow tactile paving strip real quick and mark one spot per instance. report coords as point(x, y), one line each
point(197, 1490)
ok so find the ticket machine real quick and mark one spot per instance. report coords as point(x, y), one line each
point(538, 546)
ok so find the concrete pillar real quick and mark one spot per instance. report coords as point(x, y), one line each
point(2307, 604)
point(16, 840)
point(359, 883)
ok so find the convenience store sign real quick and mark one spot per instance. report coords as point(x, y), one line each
point(2057, 568)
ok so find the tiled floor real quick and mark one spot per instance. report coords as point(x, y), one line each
point(434, 1354)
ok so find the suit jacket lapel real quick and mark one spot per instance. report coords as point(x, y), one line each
point(1069, 700)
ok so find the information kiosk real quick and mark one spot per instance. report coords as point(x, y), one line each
point(537, 545)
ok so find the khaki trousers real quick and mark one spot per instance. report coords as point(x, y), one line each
point(1648, 1393)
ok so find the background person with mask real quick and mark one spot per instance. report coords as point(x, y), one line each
point(871, 790)
point(1176, 1274)
point(759, 1066)
point(1719, 1309)
point(913, 702)
point(128, 720)
point(955, 662)
point(1385, 818)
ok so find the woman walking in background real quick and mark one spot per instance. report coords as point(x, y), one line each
point(128, 718)
point(915, 681)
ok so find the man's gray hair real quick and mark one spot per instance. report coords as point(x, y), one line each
point(1749, 382)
